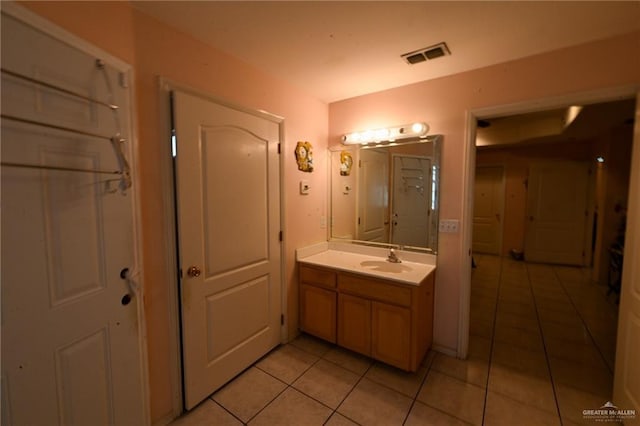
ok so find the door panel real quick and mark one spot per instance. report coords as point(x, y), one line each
point(70, 344)
point(557, 212)
point(487, 210)
point(227, 172)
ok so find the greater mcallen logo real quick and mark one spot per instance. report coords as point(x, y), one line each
point(609, 413)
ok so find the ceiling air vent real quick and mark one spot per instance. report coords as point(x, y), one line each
point(428, 53)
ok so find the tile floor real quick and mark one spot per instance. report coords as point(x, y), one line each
point(542, 344)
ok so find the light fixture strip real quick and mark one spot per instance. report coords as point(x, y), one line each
point(386, 134)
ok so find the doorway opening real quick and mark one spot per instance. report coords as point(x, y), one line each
point(539, 152)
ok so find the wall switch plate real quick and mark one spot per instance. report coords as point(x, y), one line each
point(305, 187)
point(449, 225)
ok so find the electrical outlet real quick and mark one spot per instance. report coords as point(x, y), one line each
point(450, 226)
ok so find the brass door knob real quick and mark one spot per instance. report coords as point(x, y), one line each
point(193, 271)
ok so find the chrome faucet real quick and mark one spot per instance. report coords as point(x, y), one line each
point(393, 258)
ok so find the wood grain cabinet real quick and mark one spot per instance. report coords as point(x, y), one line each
point(386, 320)
point(318, 301)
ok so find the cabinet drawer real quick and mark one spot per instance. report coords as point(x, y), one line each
point(317, 276)
point(375, 289)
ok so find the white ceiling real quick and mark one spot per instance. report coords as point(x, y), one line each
point(338, 50)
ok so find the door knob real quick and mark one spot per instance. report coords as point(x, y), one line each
point(193, 271)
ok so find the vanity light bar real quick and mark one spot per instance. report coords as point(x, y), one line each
point(386, 134)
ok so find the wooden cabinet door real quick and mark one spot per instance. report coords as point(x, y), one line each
point(318, 312)
point(354, 323)
point(391, 334)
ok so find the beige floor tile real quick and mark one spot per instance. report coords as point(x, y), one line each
point(428, 359)
point(487, 292)
point(249, 393)
point(517, 321)
point(292, 408)
point(501, 410)
point(580, 353)
point(338, 419)
point(208, 413)
point(352, 361)
point(471, 370)
point(527, 389)
point(596, 380)
point(524, 339)
point(454, 397)
point(562, 318)
point(480, 311)
point(482, 328)
point(423, 415)
point(522, 309)
point(404, 382)
point(574, 334)
point(520, 295)
point(573, 401)
point(520, 360)
point(311, 344)
point(287, 363)
point(372, 404)
point(327, 383)
point(479, 348)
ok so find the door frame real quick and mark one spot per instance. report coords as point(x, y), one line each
point(165, 87)
point(54, 31)
point(469, 163)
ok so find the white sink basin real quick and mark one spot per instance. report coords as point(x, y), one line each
point(384, 266)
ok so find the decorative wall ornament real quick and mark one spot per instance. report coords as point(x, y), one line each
point(346, 161)
point(304, 156)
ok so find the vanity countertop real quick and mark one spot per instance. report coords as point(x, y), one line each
point(369, 261)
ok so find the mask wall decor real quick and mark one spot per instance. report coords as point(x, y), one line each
point(346, 161)
point(304, 156)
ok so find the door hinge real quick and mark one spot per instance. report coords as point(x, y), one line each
point(358, 221)
point(122, 77)
point(279, 148)
point(180, 273)
point(281, 319)
point(280, 236)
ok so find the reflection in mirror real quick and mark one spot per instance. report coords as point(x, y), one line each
point(389, 196)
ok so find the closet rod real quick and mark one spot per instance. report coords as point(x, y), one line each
point(62, 169)
point(53, 126)
point(58, 88)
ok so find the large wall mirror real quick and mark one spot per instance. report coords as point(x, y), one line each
point(387, 194)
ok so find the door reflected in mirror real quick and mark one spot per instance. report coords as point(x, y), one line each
point(390, 196)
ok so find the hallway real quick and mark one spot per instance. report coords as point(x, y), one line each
point(542, 349)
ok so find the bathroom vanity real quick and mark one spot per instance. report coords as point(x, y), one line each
point(352, 296)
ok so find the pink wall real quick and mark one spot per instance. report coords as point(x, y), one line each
point(443, 103)
point(154, 50)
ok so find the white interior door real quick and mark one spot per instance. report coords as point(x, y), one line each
point(488, 201)
point(228, 181)
point(557, 212)
point(70, 324)
point(411, 200)
point(373, 196)
point(626, 383)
